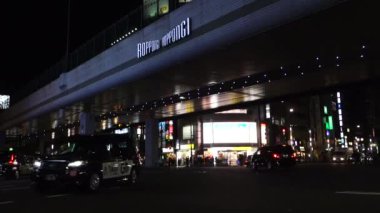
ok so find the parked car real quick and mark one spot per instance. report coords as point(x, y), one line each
point(338, 156)
point(87, 162)
point(270, 157)
point(15, 163)
point(9, 165)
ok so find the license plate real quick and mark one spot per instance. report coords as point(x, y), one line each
point(50, 177)
point(285, 156)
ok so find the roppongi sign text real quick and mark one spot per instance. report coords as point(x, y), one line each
point(179, 32)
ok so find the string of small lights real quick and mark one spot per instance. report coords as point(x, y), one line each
point(124, 36)
point(318, 64)
point(283, 72)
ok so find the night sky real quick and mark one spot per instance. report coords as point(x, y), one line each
point(33, 33)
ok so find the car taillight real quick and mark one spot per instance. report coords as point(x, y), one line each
point(275, 155)
point(12, 159)
point(294, 155)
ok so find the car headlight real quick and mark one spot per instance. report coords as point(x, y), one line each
point(342, 159)
point(77, 163)
point(37, 164)
point(334, 158)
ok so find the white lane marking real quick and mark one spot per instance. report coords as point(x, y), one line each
point(15, 188)
point(6, 202)
point(6, 186)
point(58, 195)
point(358, 193)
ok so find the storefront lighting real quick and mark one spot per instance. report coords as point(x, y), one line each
point(211, 83)
point(263, 131)
point(232, 82)
point(138, 131)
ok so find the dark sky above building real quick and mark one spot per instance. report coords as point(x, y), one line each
point(33, 33)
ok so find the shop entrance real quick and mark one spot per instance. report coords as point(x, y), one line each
point(228, 156)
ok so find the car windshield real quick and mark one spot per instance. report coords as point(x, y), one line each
point(339, 153)
point(71, 148)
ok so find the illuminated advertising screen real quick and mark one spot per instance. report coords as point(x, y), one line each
point(187, 132)
point(150, 9)
point(163, 7)
point(166, 131)
point(4, 101)
point(229, 132)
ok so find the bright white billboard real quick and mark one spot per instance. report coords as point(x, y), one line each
point(229, 132)
point(4, 101)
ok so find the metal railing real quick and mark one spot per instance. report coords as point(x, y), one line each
point(97, 44)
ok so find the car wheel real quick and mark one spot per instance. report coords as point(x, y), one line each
point(94, 182)
point(132, 177)
point(254, 166)
point(269, 165)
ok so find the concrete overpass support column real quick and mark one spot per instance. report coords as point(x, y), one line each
point(151, 143)
point(44, 141)
point(61, 117)
point(87, 123)
point(316, 127)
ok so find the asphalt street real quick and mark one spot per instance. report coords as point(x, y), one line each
point(305, 188)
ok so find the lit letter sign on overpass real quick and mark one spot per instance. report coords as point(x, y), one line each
point(179, 32)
